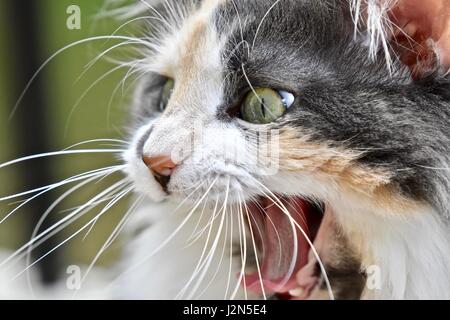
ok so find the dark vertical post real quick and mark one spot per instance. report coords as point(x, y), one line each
point(31, 118)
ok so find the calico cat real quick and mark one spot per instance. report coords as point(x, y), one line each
point(289, 149)
point(355, 158)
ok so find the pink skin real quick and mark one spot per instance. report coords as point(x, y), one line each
point(423, 20)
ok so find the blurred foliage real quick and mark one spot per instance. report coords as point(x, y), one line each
point(93, 118)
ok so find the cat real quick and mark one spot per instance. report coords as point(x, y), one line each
point(360, 167)
point(282, 150)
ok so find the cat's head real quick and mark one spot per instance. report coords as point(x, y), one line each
point(274, 107)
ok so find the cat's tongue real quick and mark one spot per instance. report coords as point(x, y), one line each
point(274, 233)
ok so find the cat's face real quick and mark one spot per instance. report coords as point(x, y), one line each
point(273, 107)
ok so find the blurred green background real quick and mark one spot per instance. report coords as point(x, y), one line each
point(61, 89)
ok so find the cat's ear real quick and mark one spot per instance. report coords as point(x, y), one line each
point(417, 32)
point(421, 34)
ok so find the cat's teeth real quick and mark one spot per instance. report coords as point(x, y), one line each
point(410, 29)
point(297, 292)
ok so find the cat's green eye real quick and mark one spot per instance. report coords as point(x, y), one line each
point(265, 105)
point(166, 93)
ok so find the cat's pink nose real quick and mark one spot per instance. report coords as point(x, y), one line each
point(160, 165)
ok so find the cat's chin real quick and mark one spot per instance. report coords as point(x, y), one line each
point(294, 254)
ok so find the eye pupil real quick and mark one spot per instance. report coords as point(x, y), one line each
point(265, 105)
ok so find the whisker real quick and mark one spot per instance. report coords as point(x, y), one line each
point(280, 205)
point(200, 260)
point(59, 153)
point(214, 246)
point(295, 244)
point(111, 203)
point(156, 11)
point(219, 264)
point(65, 181)
point(111, 238)
point(274, 228)
point(65, 219)
point(71, 45)
point(206, 227)
point(84, 210)
point(66, 240)
point(243, 251)
point(54, 186)
point(123, 223)
point(91, 63)
point(255, 252)
point(174, 233)
point(51, 234)
point(198, 221)
point(231, 253)
point(120, 142)
point(85, 93)
point(261, 23)
point(146, 18)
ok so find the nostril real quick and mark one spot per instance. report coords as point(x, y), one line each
point(162, 168)
point(161, 165)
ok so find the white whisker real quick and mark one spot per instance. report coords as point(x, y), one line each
point(62, 221)
point(213, 248)
point(56, 185)
point(291, 269)
point(243, 250)
point(119, 195)
point(219, 264)
point(201, 260)
point(120, 142)
point(111, 238)
point(59, 153)
point(255, 251)
point(261, 23)
point(231, 253)
point(51, 234)
point(66, 240)
point(172, 235)
point(280, 205)
point(65, 181)
point(74, 44)
point(85, 93)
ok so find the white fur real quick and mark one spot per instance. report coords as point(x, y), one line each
point(372, 16)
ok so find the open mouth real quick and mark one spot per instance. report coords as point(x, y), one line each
point(284, 231)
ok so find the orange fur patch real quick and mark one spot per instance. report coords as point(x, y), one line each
point(298, 153)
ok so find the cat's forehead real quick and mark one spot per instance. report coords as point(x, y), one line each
point(211, 30)
point(193, 44)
